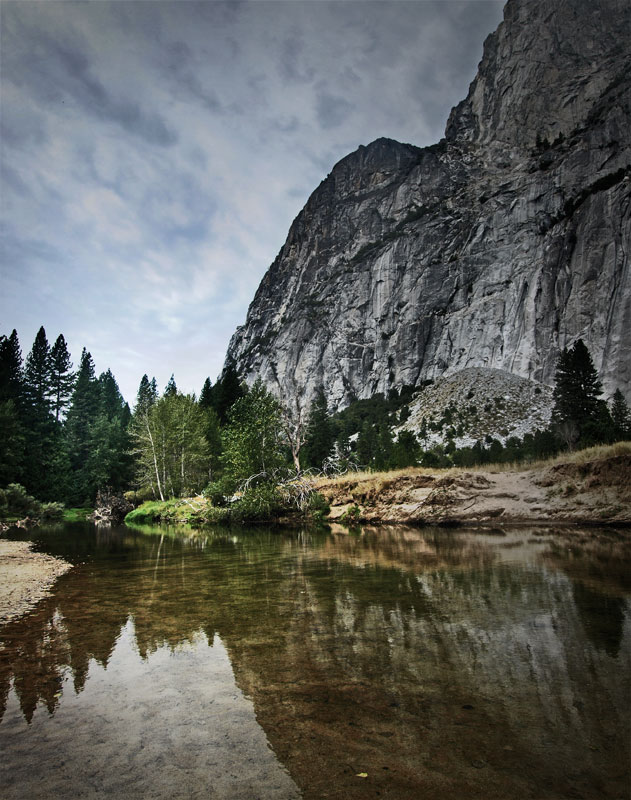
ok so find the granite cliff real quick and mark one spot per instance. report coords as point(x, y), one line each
point(498, 246)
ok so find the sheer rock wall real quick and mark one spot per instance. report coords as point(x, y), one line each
point(496, 247)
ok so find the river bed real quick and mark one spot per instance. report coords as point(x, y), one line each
point(254, 663)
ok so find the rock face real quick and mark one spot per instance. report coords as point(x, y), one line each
point(478, 402)
point(497, 247)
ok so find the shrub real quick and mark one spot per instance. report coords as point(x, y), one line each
point(351, 515)
point(21, 503)
point(318, 507)
point(219, 491)
point(258, 503)
point(52, 511)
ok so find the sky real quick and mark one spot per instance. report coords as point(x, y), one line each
point(154, 154)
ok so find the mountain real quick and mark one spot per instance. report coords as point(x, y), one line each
point(494, 248)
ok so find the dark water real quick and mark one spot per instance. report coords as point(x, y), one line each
point(257, 664)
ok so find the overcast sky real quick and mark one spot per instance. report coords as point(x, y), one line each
point(154, 154)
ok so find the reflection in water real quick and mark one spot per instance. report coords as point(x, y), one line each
point(446, 663)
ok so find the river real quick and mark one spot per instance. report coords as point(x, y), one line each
point(253, 663)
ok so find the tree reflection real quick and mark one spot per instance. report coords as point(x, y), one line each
point(431, 650)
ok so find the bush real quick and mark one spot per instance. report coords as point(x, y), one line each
point(219, 491)
point(318, 506)
point(258, 503)
point(20, 503)
point(52, 511)
point(351, 515)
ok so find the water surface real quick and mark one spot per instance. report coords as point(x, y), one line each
point(266, 664)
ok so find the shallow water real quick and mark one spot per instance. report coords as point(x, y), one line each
point(395, 663)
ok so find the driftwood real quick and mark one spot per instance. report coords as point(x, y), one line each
point(110, 507)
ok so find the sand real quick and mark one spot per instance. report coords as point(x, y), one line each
point(25, 578)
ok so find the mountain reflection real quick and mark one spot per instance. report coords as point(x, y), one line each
point(465, 658)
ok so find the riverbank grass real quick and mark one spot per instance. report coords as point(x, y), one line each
point(76, 514)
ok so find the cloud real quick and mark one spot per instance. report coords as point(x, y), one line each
point(58, 69)
point(155, 154)
point(332, 110)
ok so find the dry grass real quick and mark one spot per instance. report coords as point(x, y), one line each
point(381, 480)
point(597, 453)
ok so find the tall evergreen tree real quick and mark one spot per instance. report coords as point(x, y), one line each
point(11, 374)
point(320, 435)
point(82, 415)
point(576, 393)
point(42, 439)
point(147, 395)
point(367, 444)
point(206, 397)
point(12, 437)
point(621, 416)
point(110, 463)
point(38, 376)
point(227, 391)
point(170, 389)
point(62, 377)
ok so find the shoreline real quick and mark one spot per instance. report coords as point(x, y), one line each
point(26, 577)
point(596, 492)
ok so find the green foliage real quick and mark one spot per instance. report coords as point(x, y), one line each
point(170, 389)
point(52, 511)
point(318, 507)
point(76, 514)
point(11, 376)
point(351, 516)
point(17, 503)
point(253, 442)
point(62, 378)
point(170, 445)
point(146, 396)
point(257, 504)
point(620, 416)
point(12, 442)
point(319, 435)
point(226, 392)
point(578, 414)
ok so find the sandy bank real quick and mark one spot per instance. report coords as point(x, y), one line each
point(594, 492)
point(25, 577)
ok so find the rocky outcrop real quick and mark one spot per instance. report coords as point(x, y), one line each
point(477, 403)
point(497, 247)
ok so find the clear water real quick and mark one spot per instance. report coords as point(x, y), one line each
point(394, 663)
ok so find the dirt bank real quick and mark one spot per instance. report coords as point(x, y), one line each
point(591, 491)
point(25, 577)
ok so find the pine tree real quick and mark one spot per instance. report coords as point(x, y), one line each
point(621, 416)
point(42, 439)
point(206, 399)
point(11, 374)
point(227, 391)
point(367, 444)
point(62, 377)
point(406, 451)
point(110, 464)
point(576, 394)
point(170, 389)
point(12, 437)
point(147, 395)
point(38, 376)
point(320, 436)
point(82, 415)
